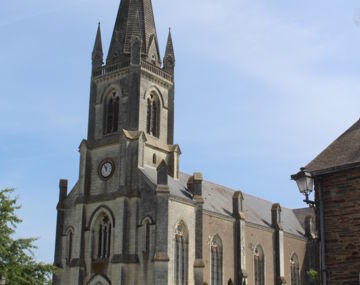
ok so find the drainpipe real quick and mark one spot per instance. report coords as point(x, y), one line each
point(322, 237)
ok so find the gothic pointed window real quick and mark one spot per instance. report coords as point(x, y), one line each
point(216, 254)
point(69, 244)
point(181, 255)
point(153, 116)
point(259, 266)
point(148, 116)
point(112, 113)
point(295, 270)
point(147, 236)
point(102, 237)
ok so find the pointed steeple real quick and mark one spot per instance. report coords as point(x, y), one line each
point(169, 58)
point(169, 46)
point(97, 54)
point(135, 19)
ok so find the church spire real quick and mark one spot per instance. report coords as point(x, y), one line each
point(97, 54)
point(135, 19)
point(169, 58)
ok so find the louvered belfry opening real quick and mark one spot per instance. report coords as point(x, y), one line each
point(153, 116)
point(112, 113)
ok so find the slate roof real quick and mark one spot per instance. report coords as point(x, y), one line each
point(218, 199)
point(345, 150)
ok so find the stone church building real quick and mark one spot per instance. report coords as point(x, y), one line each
point(133, 217)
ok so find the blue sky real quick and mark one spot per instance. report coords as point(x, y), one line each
point(261, 88)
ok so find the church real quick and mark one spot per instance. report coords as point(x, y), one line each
point(133, 217)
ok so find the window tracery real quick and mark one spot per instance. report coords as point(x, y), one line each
point(259, 266)
point(216, 261)
point(181, 255)
point(295, 270)
point(102, 237)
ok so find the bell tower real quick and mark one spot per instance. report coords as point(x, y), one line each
point(107, 229)
point(132, 95)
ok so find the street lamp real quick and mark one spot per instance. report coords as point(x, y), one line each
point(305, 183)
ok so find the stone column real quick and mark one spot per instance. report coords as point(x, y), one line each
point(134, 79)
point(240, 274)
point(199, 263)
point(84, 183)
point(63, 188)
point(161, 257)
point(279, 244)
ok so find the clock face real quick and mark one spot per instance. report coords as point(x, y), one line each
point(106, 169)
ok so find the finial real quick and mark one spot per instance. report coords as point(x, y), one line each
point(97, 54)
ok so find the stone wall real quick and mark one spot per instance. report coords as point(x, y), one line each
point(179, 212)
point(256, 235)
point(295, 245)
point(224, 228)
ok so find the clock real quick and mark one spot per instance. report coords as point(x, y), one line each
point(106, 169)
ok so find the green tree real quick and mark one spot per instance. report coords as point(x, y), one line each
point(17, 262)
point(313, 274)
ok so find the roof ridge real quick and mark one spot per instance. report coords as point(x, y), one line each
point(319, 163)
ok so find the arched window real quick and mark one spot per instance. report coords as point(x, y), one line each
point(259, 266)
point(181, 255)
point(153, 116)
point(148, 116)
point(147, 238)
point(147, 235)
point(295, 270)
point(216, 261)
point(102, 237)
point(112, 113)
point(69, 244)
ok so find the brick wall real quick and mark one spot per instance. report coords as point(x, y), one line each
point(341, 196)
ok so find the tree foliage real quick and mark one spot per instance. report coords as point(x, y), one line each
point(17, 262)
point(313, 274)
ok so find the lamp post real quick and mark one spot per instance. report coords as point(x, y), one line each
point(305, 183)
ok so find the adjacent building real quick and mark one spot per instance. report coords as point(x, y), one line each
point(336, 172)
